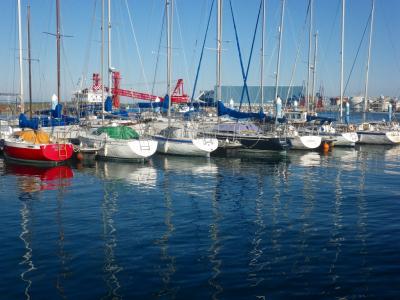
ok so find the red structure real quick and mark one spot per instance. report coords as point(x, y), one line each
point(96, 82)
point(178, 95)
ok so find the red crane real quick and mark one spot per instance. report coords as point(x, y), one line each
point(178, 95)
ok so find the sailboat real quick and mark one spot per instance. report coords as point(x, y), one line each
point(299, 140)
point(182, 139)
point(236, 133)
point(378, 133)
point(339, 134)
point(35, 147)
point(116, 142)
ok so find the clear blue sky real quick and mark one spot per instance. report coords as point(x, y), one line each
point(81, 53)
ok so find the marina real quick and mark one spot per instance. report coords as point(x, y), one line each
point(146, 169)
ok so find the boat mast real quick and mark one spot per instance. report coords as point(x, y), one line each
point(262, 54)
point(102, 61)
point(368, 60)
point(342, 60)
point(29, 60)
point(314, 72)
point(168, 10)
point(279, 50)
point(58, 37)
point(219, 49)
point(109, 48)
point(308, 104)
point(21, 75)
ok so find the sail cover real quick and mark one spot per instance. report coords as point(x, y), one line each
point(118, 132)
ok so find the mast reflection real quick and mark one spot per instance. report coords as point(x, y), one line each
point(256, 267)
point(111, 268)
point(215, 241)
point(168, 270)
point(337, 237)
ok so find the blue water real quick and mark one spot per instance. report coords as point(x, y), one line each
point(298, 226)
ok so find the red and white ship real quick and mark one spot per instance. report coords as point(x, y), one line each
point(36, 148)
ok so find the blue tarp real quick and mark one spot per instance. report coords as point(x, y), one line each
point(52, 117)
point(108, 104)
point(222, 110)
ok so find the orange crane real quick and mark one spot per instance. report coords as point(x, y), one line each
point(178, 95)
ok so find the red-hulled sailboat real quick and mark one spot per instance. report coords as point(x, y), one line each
point(35, 147)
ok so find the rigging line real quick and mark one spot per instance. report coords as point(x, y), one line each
point(150, 18)
point(158, 54)
point(39, 72)
point(325, 53)
point(182, 43)
point(251, 55)
point(196, 40)
point(65, 55)
point(202, 51)
point(67, 67)
point(391, 38)
point(244, 75)
point(271, 41)
point(136, 44)
point(238, 47)
point(12, 51)
point(88, 48)
point(300, 45)
point(43, 44)
point(358, 50)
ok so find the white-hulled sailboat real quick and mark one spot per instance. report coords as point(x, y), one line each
point(370, 133)
point(180, 140)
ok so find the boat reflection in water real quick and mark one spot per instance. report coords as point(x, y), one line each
point(31, 181)
point(199, 166)
point(143, 175)
point(306, 159)
point(34, 178)
point(375, 152)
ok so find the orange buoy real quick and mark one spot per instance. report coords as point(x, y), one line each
point(325, 147)
point(79, 156)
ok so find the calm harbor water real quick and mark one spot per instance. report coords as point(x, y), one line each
point(299, 225)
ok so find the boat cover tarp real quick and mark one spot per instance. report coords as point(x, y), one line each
point(34, 137)
point(150, 104)
point(223, 110)
point(108, 104)
point(243, 128)
point(118, 132)
point(25, 123)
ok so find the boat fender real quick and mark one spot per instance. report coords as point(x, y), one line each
point(79, 156)
point(325, 147)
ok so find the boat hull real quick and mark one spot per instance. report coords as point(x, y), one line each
point(38, 153)
point(306, 142)
point(345, 139)
point(187, 147)
point(120, 149)
point(255, 142)
point(379, 137)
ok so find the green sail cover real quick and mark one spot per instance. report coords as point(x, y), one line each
point(118, 132)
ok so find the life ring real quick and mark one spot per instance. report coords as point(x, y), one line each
point(351, 127)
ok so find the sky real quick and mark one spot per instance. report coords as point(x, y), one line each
point(140, 57)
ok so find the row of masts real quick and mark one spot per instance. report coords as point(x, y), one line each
point(310, 87)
